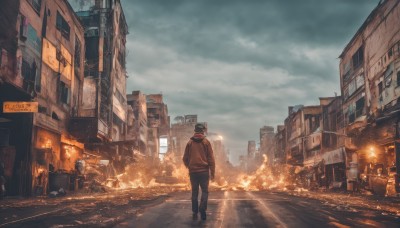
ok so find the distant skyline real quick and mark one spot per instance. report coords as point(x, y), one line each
point(238, 64)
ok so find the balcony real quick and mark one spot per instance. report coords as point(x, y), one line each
point(88, 129)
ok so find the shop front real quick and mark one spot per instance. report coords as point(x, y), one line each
point(15, 142)
point(335, 167)
point(45, 159)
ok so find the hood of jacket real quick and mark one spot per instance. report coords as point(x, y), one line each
point(197, 137)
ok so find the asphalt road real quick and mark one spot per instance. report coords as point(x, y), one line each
point(259, 209)
point(226, 209)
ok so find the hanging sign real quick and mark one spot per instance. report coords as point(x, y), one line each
point(13, 107)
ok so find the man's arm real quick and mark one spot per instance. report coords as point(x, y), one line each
point(186, 156)
point(211, 160)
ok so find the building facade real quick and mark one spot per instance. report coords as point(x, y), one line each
point(102, 121)
point(369, 73)
point(158, 123)
point(267, 146)
point(137, 100)
point(42, 62)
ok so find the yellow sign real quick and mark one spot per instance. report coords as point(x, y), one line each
point(11, 107)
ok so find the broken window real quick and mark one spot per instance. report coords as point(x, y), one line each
point(64, 93)
point(358, 58)
point(62, 26)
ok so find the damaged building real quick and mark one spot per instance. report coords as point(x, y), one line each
point(158, 123)
point(280, 145)
point(42, 58)
point(369, 80)
point(139, 132)
point(101, 122)
point(267, 136)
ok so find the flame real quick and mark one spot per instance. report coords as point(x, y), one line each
point(147, 173)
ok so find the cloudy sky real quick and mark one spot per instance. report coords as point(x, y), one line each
point(239, 64)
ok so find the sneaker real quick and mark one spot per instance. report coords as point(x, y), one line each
point(194, 216)
point(203, 215)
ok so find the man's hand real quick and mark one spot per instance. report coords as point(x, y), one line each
point(212, 177)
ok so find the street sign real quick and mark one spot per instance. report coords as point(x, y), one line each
point(14, 107)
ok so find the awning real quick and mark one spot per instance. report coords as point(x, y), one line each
point(334, 156)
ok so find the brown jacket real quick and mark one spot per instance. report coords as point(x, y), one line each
point(199, 155)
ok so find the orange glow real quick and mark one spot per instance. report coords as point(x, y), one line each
point(372, 153)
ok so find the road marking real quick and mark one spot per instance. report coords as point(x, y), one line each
point(30, 217)
point(267, 209)
point(244, 199)
point(223, 208)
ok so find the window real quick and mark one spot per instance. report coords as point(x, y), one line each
point(62, 26)
point(23, 28)
point(36, 5)
point(346, 77)
point(119, 97)
point(64, 93)
point(358, 58)
point(346, 72)
point(346, 93)
point(351, 113)
point(26, 70)
point(380, 88)
point(398, 78)
point(360, 107)
point(77, 57)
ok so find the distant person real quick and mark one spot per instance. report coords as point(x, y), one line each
point(199, 159)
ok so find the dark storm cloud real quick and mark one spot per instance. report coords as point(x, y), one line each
point(238, 64)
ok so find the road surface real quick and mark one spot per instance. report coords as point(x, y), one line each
point(226, 209)
point(259, 209)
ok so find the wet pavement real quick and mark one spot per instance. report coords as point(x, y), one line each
point(166, 207)
point(260, 209)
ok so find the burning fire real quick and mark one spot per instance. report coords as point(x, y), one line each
point(147, 173)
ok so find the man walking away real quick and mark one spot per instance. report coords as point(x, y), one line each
point(199, 159)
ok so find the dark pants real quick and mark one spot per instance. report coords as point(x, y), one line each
point(201, 179)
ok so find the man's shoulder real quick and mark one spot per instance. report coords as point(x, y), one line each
point(206, 141)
